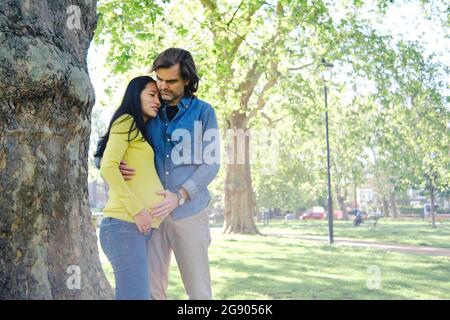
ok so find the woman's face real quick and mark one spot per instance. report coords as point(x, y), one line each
point(150, 100)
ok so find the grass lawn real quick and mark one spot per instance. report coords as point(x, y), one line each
point(261, 267)
point(414, 232)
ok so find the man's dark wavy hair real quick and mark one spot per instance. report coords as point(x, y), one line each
point(172, 56)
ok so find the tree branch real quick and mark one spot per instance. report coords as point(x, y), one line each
point(209, 27)
point(272, 79)
point(248, 18)
point(210, 5)
point(234, 14)
point(248, 86)
point(270, 120)
point(301, 67)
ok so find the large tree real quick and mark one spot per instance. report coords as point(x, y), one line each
point(247, 52)
point(410, 130)
point(48, 246)
point(258, 63)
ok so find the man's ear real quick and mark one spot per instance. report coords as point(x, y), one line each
point(186, 83)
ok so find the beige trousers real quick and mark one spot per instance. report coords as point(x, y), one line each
point(189, 239)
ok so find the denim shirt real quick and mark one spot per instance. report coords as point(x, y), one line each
point(187, 152)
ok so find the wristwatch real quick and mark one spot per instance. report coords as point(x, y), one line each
point(181, 200)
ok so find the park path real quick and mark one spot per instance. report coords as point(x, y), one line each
point(403, 248)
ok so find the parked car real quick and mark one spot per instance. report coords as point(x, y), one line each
point(314, 213)
point(290, 216)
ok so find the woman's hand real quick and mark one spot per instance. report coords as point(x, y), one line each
point(143, 221)
point(163, 208)
point(126, 171)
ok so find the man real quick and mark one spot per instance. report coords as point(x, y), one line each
point(185, 174)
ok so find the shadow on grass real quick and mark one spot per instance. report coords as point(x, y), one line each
point(308, 284)
point(316, 272)
point(264, 267)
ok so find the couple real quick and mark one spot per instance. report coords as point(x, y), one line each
point(157, 205)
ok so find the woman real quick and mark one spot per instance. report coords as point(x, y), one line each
point(126, 226)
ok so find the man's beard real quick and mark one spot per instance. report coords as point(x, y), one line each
point(173, 97)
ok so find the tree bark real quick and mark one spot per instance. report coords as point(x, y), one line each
point(448, 200)
point(393, 202)
point(432, 213)
point(385, 206)
point(341, 200)
point(48, 245)
point(240, 202)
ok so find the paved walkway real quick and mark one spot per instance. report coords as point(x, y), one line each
point(404, 248)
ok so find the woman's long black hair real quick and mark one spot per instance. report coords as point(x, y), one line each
point(131, 105)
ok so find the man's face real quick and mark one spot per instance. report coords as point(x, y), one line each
point(170, 84)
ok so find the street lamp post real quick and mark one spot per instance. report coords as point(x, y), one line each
point(326, 74)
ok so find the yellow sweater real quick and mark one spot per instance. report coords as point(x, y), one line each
point(127, 198)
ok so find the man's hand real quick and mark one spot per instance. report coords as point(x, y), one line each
point(143, 221)
point(127, 172)
point(164, 208)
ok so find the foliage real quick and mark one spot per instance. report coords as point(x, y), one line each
point(388, 102)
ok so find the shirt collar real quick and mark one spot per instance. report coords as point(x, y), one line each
point(184, 102)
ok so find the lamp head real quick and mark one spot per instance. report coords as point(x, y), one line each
point(325, 70)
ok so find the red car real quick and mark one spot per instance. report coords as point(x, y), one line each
point(314, 213)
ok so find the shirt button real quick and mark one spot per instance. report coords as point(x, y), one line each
point(167, 156)
point(167, 124)
point(168, 139)
point(167, 172)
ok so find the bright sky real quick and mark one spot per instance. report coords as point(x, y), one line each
point(408, 21)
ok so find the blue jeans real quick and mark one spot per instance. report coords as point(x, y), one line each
point(127, 250)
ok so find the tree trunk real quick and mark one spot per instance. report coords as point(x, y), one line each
point(343, 207)
point(393, 201)
point(48, 246)
point(432, 213)
point(240, 202)
point(385, 206)
point(341, 200)
point(448, 201)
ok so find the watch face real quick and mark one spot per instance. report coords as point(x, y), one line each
point(180, 198)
